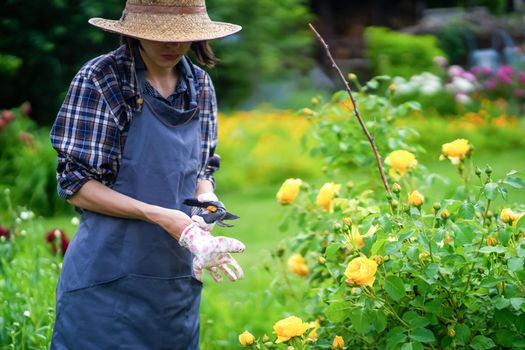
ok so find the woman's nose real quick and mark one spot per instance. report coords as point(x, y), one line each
point(174, 45)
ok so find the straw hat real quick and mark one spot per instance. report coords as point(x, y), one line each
point(166, 20)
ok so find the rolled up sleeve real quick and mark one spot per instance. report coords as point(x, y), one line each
point(86, 137)
point(208, 109)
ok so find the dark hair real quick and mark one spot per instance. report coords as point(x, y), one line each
point(201, 49)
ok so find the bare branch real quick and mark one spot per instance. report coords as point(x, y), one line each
point(356, 111)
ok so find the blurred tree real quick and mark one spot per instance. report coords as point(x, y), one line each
point(52, 39)
point(44, 43)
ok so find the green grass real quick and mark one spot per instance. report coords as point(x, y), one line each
point(29, 271)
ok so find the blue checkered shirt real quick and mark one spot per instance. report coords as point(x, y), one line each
point(90, 130)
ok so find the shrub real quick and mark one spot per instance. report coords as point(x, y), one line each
point(27, 163)
point(414, 268)
point(400, 54)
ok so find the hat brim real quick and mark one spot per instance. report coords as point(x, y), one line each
point(167, 28)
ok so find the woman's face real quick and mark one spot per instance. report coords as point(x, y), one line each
point(164, 54)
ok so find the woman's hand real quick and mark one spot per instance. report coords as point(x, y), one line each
point(171, 220)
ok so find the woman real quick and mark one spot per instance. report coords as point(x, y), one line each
point(135, 137)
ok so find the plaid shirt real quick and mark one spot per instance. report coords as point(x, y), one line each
point(90, 130)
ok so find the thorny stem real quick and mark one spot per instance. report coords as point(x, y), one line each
point(356, 111)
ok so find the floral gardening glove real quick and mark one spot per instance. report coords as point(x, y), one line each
point(196, 212)
point(212, 253)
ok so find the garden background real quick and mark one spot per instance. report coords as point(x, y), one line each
point(424, 73)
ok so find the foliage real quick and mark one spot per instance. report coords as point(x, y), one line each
point(28, 277)
point(452, 39)
point(48, 55)
point(27, 163)
point(49, 49)
point(341, 144)
point(397, 272)
point(395, 53)
point(260, 147)
point(260, 52)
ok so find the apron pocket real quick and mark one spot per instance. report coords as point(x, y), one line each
point(161, 313)
point(88, 318)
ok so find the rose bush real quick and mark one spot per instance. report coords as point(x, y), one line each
point(431, 270)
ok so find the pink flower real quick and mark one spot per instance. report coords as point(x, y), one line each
point(490, 84)
point(519, 93)
point(455, 70)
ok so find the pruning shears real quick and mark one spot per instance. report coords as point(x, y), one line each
point(216, 212)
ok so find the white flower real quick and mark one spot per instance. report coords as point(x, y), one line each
point(18, 221)
point(23, 232)
point(440, 244)
point(462, 85)
point(26, 215)
point(57, 233)
point(27, 313)
point(430, 88)
point(392, 239)
point(75, 221)
point(462, 98)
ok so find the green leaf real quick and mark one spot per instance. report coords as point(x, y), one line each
point(338, 311)
point(395, 287)
point(395, 336)
point(481, 343)
point(515, 264)
point(462, 333)
point(516, 302)
point(515, 182)
point(379, 320)
point(520, 225)
point(412, 346)
point(491, 190)
point(504, 317)
point(378, 247)
point(467, 210)
point(360, 320)
point(423, 335)
point(414, 320)
point(504, 337)
point(500, 302)
point(490, 249)
point(520, 323)
point(331, 250)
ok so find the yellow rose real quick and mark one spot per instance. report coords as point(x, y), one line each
point(326, 194)
point(246, 338)
point(400, 162)
point(415, 199)
point(289, 191)
point(289, 327)
point(354, 239)
point(338, 342)
point(307, 111)
point(361, 271)
point(491, 241)
point(507, 215)
point(456, 150)
point(297, 265)
point(313, 334)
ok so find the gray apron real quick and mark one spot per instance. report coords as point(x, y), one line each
point(128, 284)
